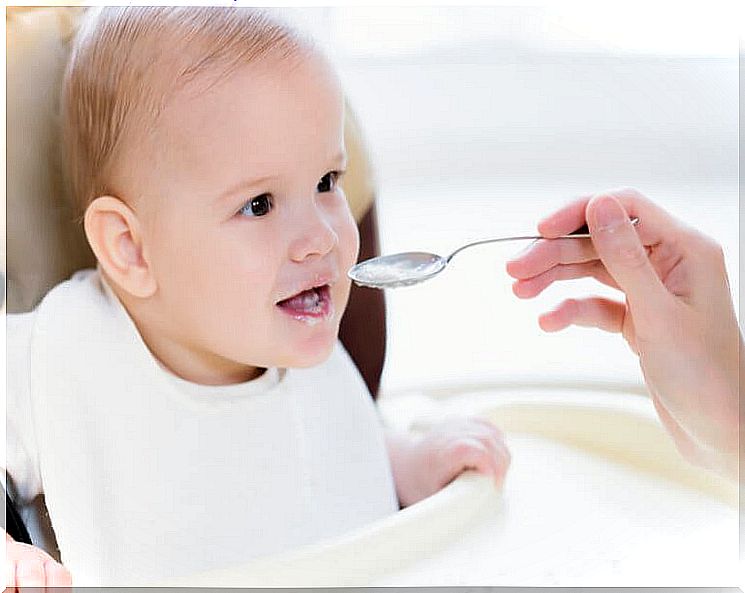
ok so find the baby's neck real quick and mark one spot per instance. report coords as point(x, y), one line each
point(186, 361)
point(220, 382)
point(193, 364)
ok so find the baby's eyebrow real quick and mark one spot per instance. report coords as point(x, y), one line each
point(340, 158)
point(245, 184)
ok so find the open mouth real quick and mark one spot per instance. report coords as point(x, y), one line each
point(310, 305)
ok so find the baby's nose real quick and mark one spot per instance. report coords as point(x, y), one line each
point(317, 237)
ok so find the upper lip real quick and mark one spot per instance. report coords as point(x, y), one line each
point(320, 278)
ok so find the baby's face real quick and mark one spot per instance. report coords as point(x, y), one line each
point(248, 232)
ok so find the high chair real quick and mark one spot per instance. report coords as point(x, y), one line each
point(45, 246)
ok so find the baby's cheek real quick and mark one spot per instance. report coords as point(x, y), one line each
point(341, 296)
point(346, 229)
point(349, 242)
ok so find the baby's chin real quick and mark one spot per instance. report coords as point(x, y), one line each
point(309, 357)
point(312, 345)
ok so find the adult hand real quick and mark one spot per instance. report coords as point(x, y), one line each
point(677, 316)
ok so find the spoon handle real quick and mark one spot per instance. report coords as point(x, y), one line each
point(581, 233)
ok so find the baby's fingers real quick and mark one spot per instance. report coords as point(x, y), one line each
point(29, 566)
point(504, 459)
point(597, 312)
point(474, 454)
point(501, 459)
point(469, 453)
point(482, 425)
point(57, 575)
point(531, 287)
point(10, 573)
point(29, 572)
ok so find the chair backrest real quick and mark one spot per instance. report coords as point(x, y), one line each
point(44, 245)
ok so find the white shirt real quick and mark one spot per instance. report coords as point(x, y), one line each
point(147, 476)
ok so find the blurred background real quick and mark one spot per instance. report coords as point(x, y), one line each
point(481, 120)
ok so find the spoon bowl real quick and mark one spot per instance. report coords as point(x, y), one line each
point(399, 269)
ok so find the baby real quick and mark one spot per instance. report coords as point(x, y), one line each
point(187, 405)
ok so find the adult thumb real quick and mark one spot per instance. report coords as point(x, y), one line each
point(625, 258)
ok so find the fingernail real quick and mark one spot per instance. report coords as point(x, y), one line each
point(608, 214)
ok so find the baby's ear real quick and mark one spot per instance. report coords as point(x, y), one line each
point(115, 236)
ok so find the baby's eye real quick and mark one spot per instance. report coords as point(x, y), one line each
point(328, 182)
point(258, 206)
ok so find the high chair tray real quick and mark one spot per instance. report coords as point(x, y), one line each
point(596, 495)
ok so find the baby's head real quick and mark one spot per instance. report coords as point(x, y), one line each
point(204, 147)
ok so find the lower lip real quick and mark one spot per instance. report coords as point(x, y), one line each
point(322, 312)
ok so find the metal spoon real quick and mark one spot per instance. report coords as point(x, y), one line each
point(413, 267)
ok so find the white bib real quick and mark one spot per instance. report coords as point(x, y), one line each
point(147, 476)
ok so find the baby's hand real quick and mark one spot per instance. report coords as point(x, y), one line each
point(29, 566)
point(422, 467)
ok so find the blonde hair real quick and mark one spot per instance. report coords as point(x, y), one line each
point(127, 61)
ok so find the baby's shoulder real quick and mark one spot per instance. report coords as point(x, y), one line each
point(81, 285)
point(67, 297)
point(18, 326)
point(81, 290)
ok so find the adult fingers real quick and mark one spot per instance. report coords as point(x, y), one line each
point(626, 260)
point(655, 224)
point(602, 313)
point(566, 219)
point(545, 254)
point(532, 287)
